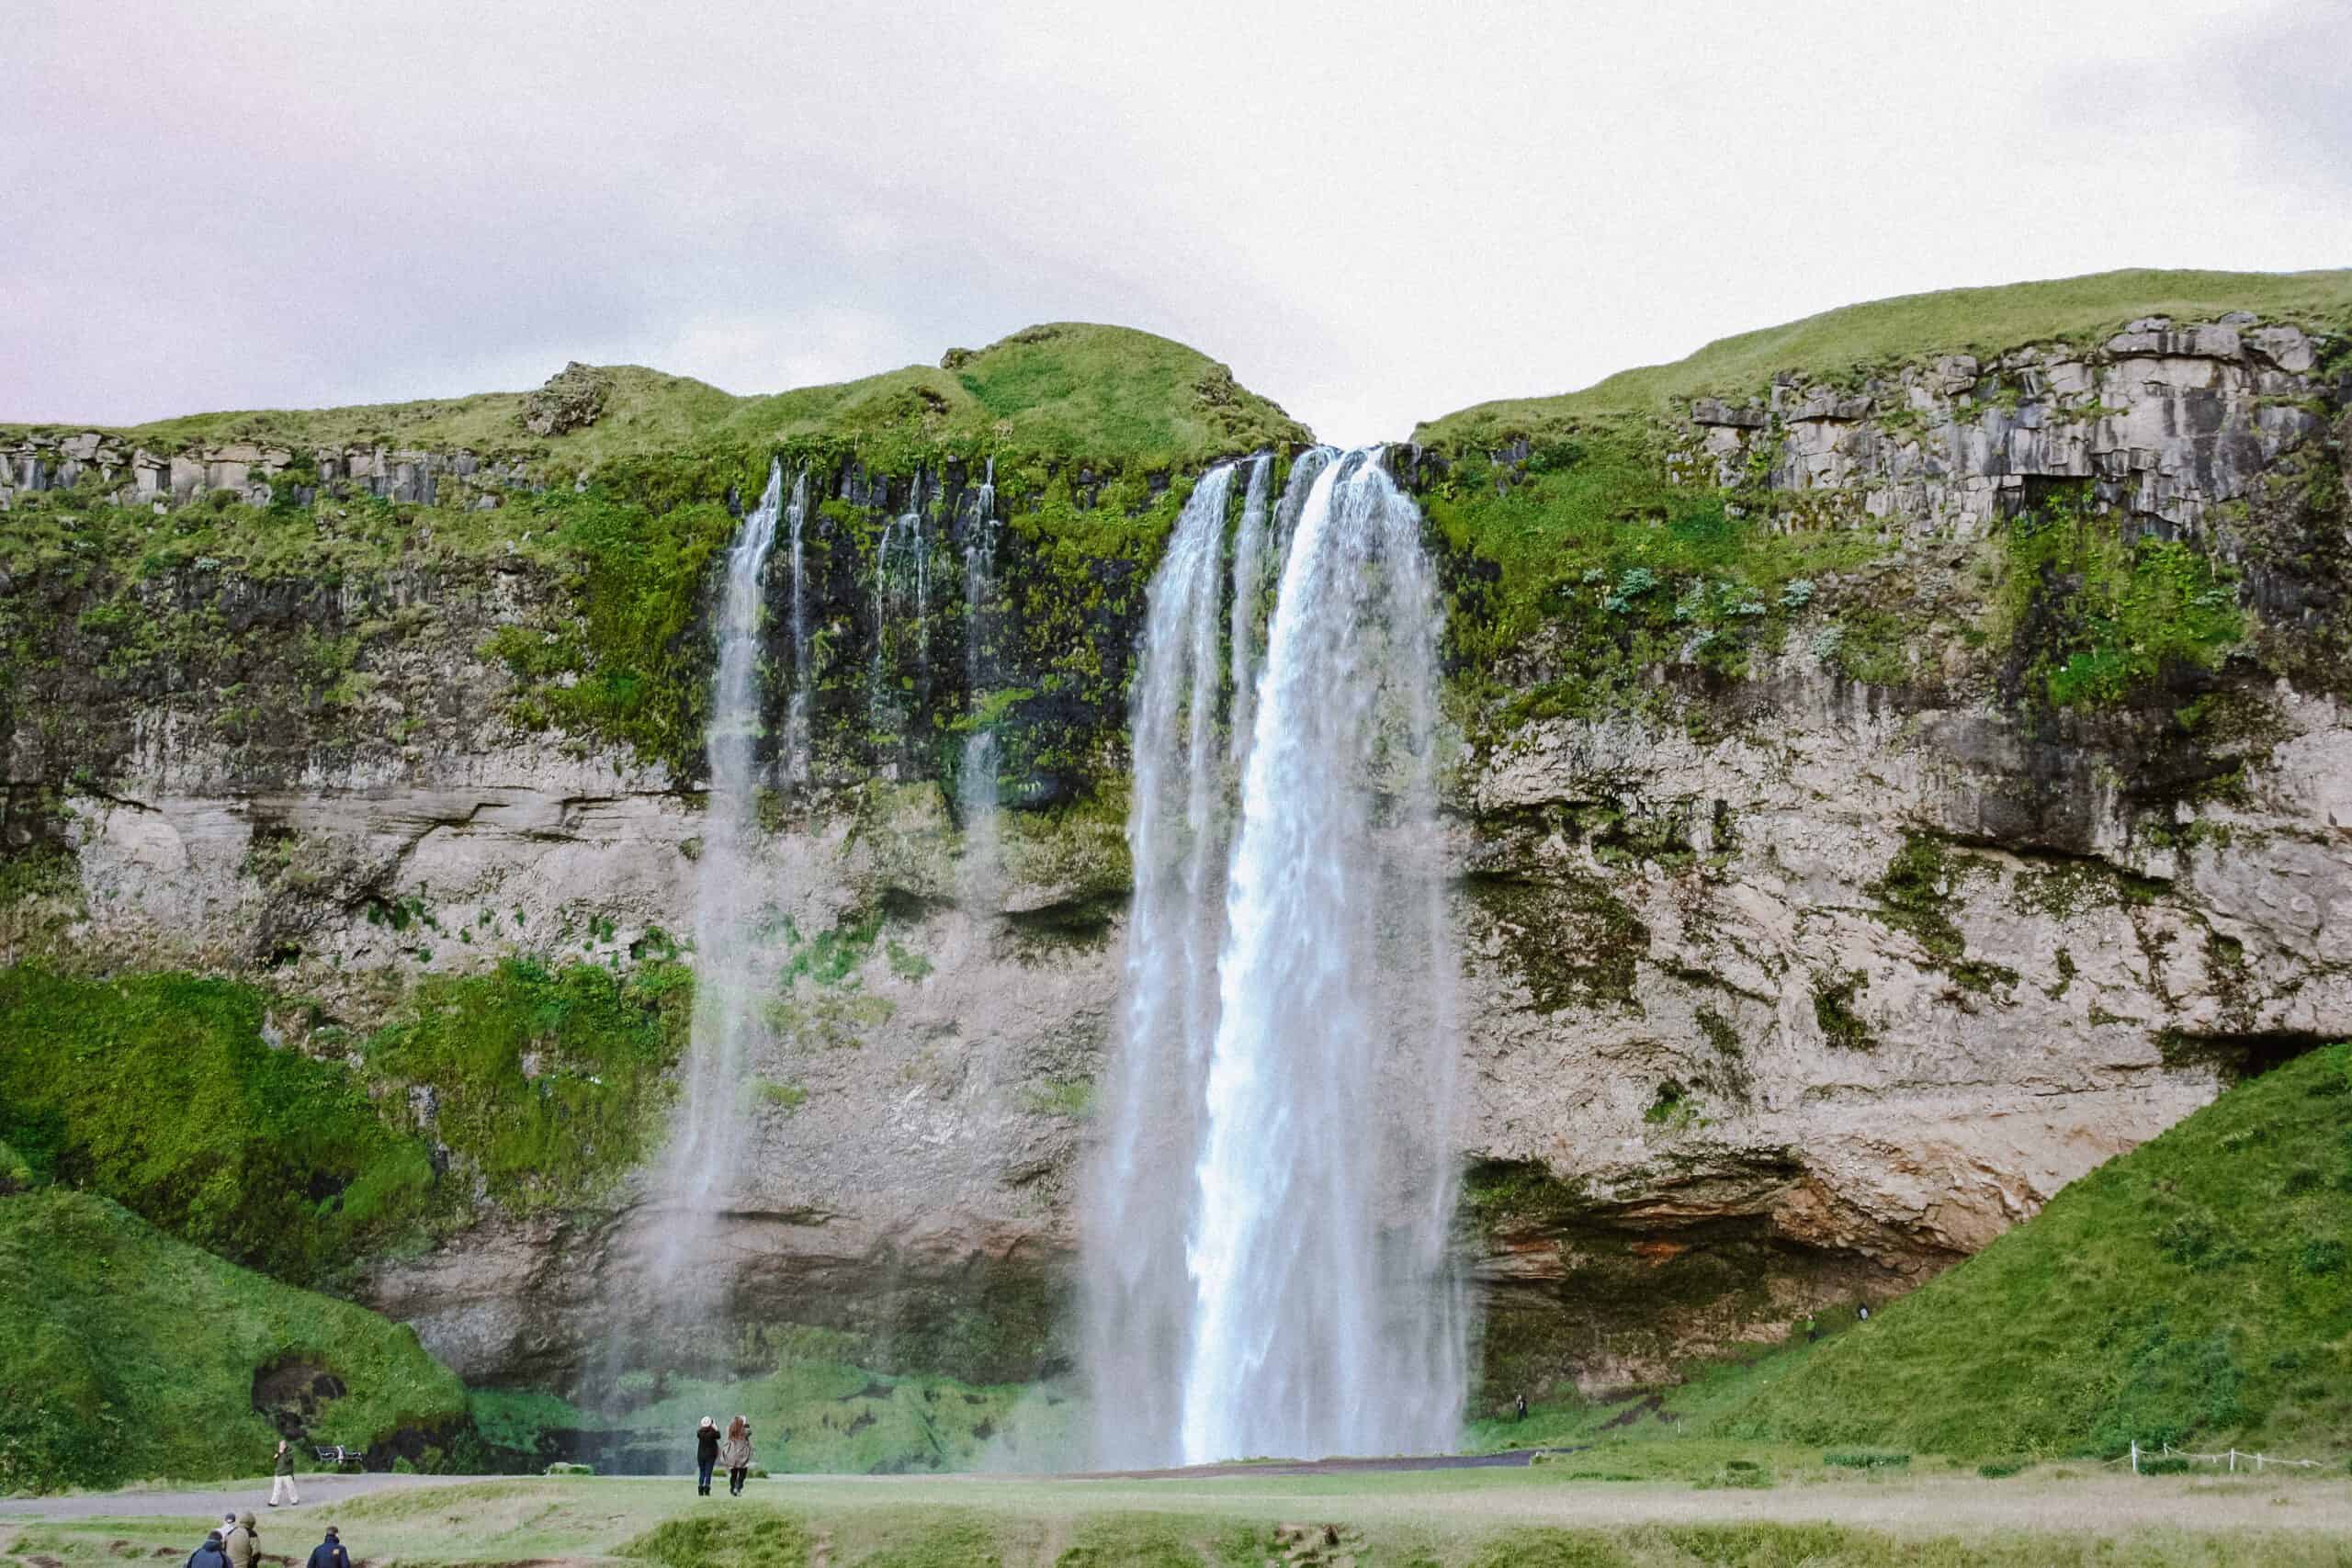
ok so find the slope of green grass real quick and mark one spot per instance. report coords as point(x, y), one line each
point(1843, 344)
point(125, 1354)
point(1068, 390)
point(2196, 1291)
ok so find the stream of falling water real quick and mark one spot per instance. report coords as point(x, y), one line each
point(975, 780)
point(727, 891)
point(1267, 1263)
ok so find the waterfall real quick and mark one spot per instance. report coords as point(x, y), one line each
point(798, 758)
point(1267, 1267)
point(725, 888)
point(901, 589)
point(976, 782)
point(1249, 594)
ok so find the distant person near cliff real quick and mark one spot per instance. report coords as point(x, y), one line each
point(735, 1453)
point(706, 1454)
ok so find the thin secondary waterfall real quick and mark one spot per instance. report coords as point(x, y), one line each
point(1267, 1265)
point(725, 890)
point(798, 758)
point(975, 784)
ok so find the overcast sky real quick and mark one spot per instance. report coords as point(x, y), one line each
point(1375, 212)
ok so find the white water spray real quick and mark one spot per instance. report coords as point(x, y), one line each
point(1267, 1255)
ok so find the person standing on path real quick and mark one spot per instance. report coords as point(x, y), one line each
point(243, 1543)
point(329, 1554)
point(705, 1455)
point(210, 1554)
point(735, 1453)
point(283, 1479)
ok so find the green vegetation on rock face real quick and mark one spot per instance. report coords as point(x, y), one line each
point(1600, 564)
point(166, 1093)
point(2193, 1290)
point(1842, 345)
point(2094, 618)
point(125, 1355)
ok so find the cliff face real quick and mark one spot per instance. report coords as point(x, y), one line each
point(1783, 985)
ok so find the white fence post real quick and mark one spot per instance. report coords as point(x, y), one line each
point(2136, 1456)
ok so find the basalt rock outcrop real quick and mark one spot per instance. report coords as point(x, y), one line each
point(1783, 991)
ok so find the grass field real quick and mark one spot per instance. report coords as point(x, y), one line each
point(1810, 1516)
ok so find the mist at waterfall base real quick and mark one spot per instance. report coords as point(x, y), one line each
point(1266, 1264)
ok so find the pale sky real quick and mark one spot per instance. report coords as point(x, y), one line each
point(1375, 212)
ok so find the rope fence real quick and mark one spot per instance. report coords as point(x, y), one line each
point(2229, 1457)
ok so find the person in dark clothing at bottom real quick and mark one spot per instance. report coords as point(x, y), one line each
point(705, 1455)
point(210, 1554)
point(329, 1554)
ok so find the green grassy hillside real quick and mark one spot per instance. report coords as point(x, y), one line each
point(1067, 389)
point(1844, 343)
point(2197, 1290)
point(125, 1354)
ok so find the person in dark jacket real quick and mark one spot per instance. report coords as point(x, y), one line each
point(210, 1554)
point(706, 1454)
point(329, 1554)
point(282, 1482)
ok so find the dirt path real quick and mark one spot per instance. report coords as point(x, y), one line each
point(318, 1492)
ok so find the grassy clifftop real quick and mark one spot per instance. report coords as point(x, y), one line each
point(1885, 333)
point(1066, 389)
point(125, 1355)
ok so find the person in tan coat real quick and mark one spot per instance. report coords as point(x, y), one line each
point(243, 1544)
point(735, 1453)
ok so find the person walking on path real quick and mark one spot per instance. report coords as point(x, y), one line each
point(210, 1554)
point(283, 1479)
point(329, 1554)
point(735, 1453)
point(705, 1455)
point(243, 1543)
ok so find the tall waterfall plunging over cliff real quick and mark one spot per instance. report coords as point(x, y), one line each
point(726, 891)
point(1266, 1247)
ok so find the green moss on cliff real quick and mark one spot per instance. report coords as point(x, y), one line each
point(125, 1354)
point(166, 1093)
point(2094, 617)
point(1604, 564)
point(1844, 344)
point(630, 666)
point(549, 1082)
